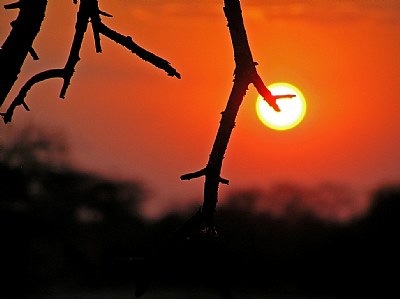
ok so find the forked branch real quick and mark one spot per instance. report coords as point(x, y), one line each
point(88, 12)
point(19, 42)
point(201, 224)
point(20, 98)
point(245, 74)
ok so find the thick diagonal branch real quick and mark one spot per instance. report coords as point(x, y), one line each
point(19, 42)
point(245, 74)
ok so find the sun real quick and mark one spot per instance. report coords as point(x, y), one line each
point(292, 111)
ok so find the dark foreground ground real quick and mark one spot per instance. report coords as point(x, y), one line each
point(70, 235)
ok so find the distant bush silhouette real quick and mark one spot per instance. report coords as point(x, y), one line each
point(55, 221)
point(65, 229)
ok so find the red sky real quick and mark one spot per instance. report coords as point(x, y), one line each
point(125, 118)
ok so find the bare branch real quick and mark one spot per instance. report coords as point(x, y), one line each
point(81, 25)
point(88, 10)
point(193, 175)
point(19, 42)
point(127, 42)
point(224, 181)
point(245, 74)
point(20, 98)
point(103, 13)
point(95, 20)
point(200, 173)
point(266, 94)
point(15, 5)
point(33, 54)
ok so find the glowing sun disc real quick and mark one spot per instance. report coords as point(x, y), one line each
point(292, 111)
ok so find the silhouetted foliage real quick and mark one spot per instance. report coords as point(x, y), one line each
point(57, 222)
point(63, 230)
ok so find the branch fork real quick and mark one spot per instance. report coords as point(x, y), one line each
point(200, 173)
point(245, 74)
point(88, 12)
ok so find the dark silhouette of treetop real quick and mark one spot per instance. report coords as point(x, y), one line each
point(27, 26)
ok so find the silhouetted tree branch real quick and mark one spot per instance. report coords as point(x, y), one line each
point(88, 12)
point(244, 75)
point(19, 42)
point(128, 43)
point(201, 225)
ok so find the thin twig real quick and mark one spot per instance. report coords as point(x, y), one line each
point(20, 98)
point(95, 20)
point(82, 20)
point(127, 42)
point(14, 5)
point(33, 54)
point(193, 175)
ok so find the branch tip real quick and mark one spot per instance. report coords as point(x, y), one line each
point(223, 181)
point(193, 175)
point(33, 53)
point(14, 5)
point(175, 74)
point(103, 13)
point(25, 106)
point(128, 43)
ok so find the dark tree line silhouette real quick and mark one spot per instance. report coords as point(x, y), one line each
point(67, 231)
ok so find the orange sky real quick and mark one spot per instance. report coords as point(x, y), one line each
point(126, 118)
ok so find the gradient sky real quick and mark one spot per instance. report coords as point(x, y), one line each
point(127, 119)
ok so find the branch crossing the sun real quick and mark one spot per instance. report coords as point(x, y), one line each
point(245, 74)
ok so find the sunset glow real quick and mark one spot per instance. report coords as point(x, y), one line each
point(122, 117)
point(292, 111)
